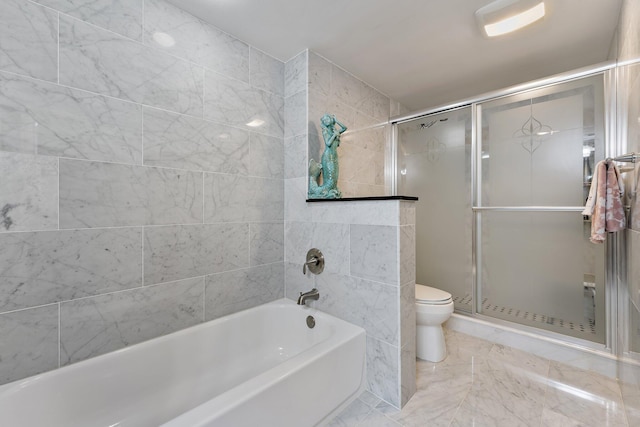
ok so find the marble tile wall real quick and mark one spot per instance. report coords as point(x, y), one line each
point(135, 199)
point(364, 111)
point(629, 113)
point(369, 247)
point(362, 283)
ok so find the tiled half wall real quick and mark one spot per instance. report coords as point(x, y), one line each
point(369, 246)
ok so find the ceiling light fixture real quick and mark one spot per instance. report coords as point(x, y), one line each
point(504, 16)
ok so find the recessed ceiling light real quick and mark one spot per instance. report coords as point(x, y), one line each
point(505, 16)
point(163, 39)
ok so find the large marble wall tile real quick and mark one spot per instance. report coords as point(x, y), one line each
point(407, 307)
point(331, 239)
point(320, 104)
point(295, 115)
point(295, 194)
point(232, 198)
point(407, 372)
point(407, 213)
point(267, 242)
point(52, 120)
point(196, 40)
point(109, 195)
point(383, 371)
point(295, 157)
point(179, 141)
point(233, 291)
point(407, 234)
point(319, 74)
point(179, 252)
point(28, 39)
point(93, 326)
point(360, 212)
point(359, 95)
point(29, 343)
point(360, 165)
point(379, 105)
point(120, 16)
point(267, 156)
point(374, 253)
point(370, 305)
point(295, 282)
point(350, 90)
point(103, 62)
point(51, 266)
point(354, 189)
point(267, 73)
point(369, 135)
point(295, 74)
point(236, 103)
point(28, 192)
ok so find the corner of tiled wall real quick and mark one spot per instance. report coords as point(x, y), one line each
point(141, 185)
point(365, 111)
point(361, 241)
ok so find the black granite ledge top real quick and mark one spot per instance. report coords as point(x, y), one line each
point(362, 199)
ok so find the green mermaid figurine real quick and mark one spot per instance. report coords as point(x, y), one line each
point(329, 167)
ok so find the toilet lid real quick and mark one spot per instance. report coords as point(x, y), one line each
point(431, 295)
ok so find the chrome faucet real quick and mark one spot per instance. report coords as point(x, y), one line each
point(312, 294)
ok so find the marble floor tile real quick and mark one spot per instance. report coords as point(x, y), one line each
point(481, 384)
point(353, 414)
point(584, 396)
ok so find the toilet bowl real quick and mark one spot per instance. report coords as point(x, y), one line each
point(433, 308)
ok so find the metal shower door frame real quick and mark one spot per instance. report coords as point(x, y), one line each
point(615, 251)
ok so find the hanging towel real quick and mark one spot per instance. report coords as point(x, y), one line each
point(615, 217)
point(591, 200)
point(605, 201)
point(598, 222)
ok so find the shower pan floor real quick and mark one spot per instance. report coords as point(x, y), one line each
point(520, 316)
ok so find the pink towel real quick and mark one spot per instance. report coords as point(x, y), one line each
point(615, 217)
point(608, 214)
point(598, 218)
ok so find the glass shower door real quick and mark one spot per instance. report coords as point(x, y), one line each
point(535, 264)
point(433, 163)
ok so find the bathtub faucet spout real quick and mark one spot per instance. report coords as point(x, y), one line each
point(312, 294)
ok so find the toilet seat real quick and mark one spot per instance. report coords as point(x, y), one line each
point(428, 295)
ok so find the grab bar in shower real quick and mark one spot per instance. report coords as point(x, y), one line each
point(529, 208)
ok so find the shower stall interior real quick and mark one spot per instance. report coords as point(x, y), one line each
point(502, 182)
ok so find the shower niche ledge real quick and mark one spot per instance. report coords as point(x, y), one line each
point(366, 199)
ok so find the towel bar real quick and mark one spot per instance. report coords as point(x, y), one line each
point(529, 208)
point(627, 158)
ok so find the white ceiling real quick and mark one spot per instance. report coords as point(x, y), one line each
point(423, 53)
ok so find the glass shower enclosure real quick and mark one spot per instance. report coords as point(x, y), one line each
point(502, 183)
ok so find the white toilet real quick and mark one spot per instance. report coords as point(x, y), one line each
point(433, 308)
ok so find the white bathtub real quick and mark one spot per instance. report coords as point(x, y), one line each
point(259, 367)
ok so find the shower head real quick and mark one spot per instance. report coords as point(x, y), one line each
point(431, 123)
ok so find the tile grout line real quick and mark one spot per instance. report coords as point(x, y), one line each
point(546, 392)
point(59, 334)
point(58, 34)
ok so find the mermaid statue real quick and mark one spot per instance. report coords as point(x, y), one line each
point(329, 166)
